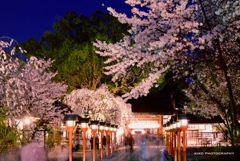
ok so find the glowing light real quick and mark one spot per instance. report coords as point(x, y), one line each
point(144, 124)
point(184, 122)
point(27, 120)
point(120, 131)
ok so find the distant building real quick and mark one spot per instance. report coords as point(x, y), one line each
point(154, 110)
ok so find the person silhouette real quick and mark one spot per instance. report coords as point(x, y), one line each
point(91, 142)
point(104, 142)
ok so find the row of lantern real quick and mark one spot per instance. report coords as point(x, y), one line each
point(109, 129)
point(176, 124)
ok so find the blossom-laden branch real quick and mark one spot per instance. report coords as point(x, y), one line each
point(27, 90)
point(99, 105)
point(197, 40)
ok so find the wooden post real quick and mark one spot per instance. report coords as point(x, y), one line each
point(101, 137)
point(70, 131)
point(94, 144)
point(184, 146)
point(107, 138)
point(174, 144)
point(179, 145)
point(84, 130)
point(110, 142)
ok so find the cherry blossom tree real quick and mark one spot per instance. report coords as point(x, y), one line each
point(99, 105)
point(27, 90)
point(195, 39)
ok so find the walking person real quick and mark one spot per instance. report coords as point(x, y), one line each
point(144, 149)
point(97, 142)
point(91, 142)
point(131, 142)
point(104, 142)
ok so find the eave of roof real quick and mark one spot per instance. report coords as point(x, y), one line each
point(193, 119)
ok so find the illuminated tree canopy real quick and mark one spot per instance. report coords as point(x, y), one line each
point(198, 40)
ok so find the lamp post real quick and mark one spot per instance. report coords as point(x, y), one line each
point(101, 129)
point(70, 125)
point(178, 140)
point(167, 136)
point(107, 128)
point(94, 126)
point(174, 139)
point(84, 128)
point(171, 138)
point(115, 137)
point(111, 138)
point(184, 126)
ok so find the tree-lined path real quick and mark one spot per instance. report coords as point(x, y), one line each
point(142, 151)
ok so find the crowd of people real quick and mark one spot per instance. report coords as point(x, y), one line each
point(129, 141)
point(104, 141)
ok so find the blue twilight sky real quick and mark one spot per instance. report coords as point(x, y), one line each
point(23, 19)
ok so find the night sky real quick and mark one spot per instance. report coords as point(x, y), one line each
point(23, 19)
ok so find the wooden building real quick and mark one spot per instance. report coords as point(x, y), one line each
point(152, 112)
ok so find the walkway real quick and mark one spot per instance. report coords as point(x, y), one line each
point(149, 153)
